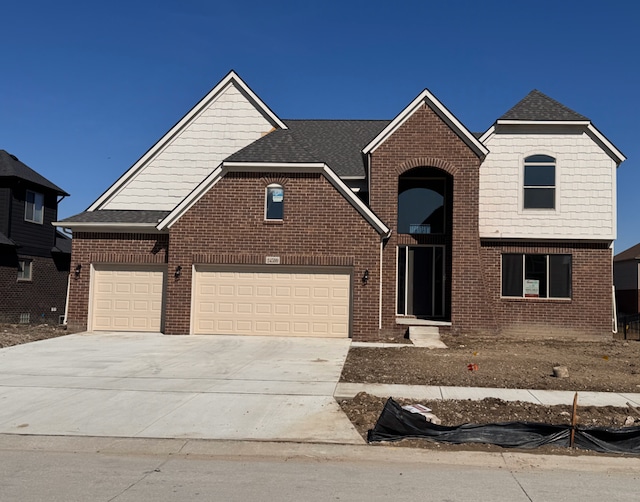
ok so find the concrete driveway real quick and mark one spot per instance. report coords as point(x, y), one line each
point(152, 385)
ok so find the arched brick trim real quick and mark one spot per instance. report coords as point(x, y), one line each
point(426, 162)
point(275, 180)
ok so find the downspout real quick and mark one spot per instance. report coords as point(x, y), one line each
point(66, 302)
point(380, 292)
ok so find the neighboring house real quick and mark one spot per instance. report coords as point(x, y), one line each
point(34, 255)
point(239, 222)
point(626, 280)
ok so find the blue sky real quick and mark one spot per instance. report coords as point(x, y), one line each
point(88, 87)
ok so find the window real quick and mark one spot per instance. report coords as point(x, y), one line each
point(274, 205)
point(24, 270)
point(421, 205)
point(33, 208)
point(539, 182)
point(536, 275)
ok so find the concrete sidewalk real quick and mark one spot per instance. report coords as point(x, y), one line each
point(547, 397)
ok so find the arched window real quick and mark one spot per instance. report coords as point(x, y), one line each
point(539, 182)
point(274, 203)
point(421, 204)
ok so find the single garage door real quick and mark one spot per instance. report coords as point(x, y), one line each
point(264, 302)
point(127, 298)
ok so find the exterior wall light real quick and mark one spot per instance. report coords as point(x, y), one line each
point(178, 271)
point(77, 270)
point(365, 277)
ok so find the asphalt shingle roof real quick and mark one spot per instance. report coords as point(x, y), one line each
point(338, 143)
point(117, 216)
point(633, 253)
point(10, 166)
point(539, 106)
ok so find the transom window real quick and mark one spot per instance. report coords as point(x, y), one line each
point(33, 210)
point(274, 204)
point(536, 275)
point(539, 182)
point(24, 270)
point(421, 205)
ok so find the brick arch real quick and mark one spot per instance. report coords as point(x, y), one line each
point(275, 180)
point(426, 162)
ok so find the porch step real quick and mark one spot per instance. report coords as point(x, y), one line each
point(426, 336)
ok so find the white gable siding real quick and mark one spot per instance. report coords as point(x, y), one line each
point(227, 124)
point(585, 188)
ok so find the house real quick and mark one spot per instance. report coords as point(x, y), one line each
point(34, 255)
point(626, 280)
point(237, 221)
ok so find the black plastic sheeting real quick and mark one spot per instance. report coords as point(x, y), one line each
point(395, 424)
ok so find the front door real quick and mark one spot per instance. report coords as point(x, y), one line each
point(421, 284)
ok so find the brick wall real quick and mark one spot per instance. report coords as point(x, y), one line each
point(320, 228)
point(46, 291)
point(587, 313)
point(99, 248)
point(424, 140)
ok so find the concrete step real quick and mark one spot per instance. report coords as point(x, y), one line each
point(426, 336)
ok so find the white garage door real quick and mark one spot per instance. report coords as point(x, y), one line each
point(259, 302)
point(127, 298)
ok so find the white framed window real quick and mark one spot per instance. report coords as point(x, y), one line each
point(539, 182)
point(25, 270)
point(536, 275)
point(274, 203)
point(34, 207)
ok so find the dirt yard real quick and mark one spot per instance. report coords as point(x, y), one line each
point(15, 334)
point(609, 366)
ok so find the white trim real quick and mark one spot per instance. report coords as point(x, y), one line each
point(616, 154)
point(319, 167)
point(380, 281)
point(352, 177)
point(425, 97)
point(147, 228)
point(231, 78)
point(355, 189)
point(544, 122)
point(487, 134)
point(190, 199)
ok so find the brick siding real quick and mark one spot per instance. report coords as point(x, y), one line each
point(46, 291)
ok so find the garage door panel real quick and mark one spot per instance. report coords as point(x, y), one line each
point(262, 303)
point(127, 298)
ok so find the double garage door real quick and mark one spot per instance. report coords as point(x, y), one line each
point(256, 301)
point(246, 301)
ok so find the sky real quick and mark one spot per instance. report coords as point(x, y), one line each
point(89, 87)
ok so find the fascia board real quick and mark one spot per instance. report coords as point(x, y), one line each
point(191, 199)
point(614, 153)
point(85, 226)
point(271, 166)
point(211, 96)
point(429, 99)
point(487, 134)
point(544, 122)
point(352, 177)
point(369, 215)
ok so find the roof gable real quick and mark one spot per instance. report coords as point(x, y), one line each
point(425, 98)
point(10, 166)
point(537, 106)
point(228, 118)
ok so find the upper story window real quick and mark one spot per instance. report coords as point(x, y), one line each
point(539, 182)
point(274, 204)
point(34, 207)
point(25, 270)
point(421, 204)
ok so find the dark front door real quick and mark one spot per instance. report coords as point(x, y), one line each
point(421, 272)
